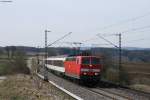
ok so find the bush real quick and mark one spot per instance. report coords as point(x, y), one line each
point(4, 68)
point(20, 64)
point(112, 72)
point(16, 65)
point(123, 77)
point(112, 75)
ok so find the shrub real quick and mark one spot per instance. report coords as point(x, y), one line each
point(16, 65)
point(123, 77)
point(19, 63)
point(112, 72)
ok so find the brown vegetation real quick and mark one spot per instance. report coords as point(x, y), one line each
point(22, 87)
point(139, 73)
point(17, 64)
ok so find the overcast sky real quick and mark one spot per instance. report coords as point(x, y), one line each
point(23, 22)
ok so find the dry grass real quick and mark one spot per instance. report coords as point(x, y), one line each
point(139, 73)
point(23, 87)
point(137, 67)
point(140, 87)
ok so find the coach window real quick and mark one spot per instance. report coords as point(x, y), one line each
point(46, 61)
point(58, 63)
point(68, 59)
point(49, 62)
point(71, 59)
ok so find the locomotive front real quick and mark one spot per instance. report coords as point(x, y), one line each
point(90, 69)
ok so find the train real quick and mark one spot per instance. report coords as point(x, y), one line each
point(82, 68)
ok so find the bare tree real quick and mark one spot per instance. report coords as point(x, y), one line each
point(13, 50)
point(7, 49)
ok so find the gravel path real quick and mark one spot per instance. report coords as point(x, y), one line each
point(2, 78)
point(75, 89)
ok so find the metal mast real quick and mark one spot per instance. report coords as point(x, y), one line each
point(46, 55)
point(120, 55)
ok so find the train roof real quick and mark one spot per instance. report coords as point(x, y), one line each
point(63, 57)
point(54, 58)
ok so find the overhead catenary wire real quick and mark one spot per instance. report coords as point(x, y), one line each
point(60, 39)
point(97, 45)
point(136, 40)
point(91, 39)
point(136, 29)
point(127, 31)
point(107, 40)
point(131, 30)
point(72, 44)
point(122, 22)
point(6, 1)
point(127, 21)
point(95, 38)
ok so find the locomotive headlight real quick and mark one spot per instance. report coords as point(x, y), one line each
point(96, 73)
point(84, 73)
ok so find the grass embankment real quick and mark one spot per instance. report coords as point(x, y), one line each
point(141, 87)
point(23, 87)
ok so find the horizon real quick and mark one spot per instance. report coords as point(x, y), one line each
point(87, 47)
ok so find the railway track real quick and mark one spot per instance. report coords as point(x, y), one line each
point(125, 91)
point(132, 93)
point(107, 94)
point(115, 94)
point(102, 94)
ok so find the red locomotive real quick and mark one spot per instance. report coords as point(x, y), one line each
point(85, 68)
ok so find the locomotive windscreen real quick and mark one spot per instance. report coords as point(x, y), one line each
point(95, 61)
point(85, 60)
point(90, 60)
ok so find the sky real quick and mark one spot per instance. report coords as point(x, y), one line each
point(22, 22)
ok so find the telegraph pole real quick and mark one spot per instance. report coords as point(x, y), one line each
point(38, 49)
point(120, 51)
point(46, 55)
point(120, 56)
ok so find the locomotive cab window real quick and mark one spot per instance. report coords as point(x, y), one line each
point(95, 61)
point(85, 60)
